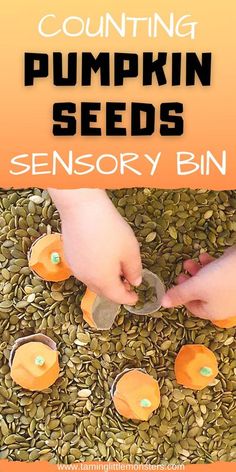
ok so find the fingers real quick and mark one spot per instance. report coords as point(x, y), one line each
point(187, 292)
point(118, 292)
point(205, 259)
point(182, 278)
point(127, 285)
point(183, 293)
point(191, 267)
point(112, 287)
point(131, 267)
point(197, 308)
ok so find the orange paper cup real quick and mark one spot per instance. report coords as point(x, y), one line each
point(47, 260)
point(227, 323)
point(98, 312)
point(135, 394)
point(195, 366)
point(34, 362)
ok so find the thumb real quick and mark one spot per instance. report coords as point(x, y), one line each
point(118, 293)
point(132, 268)
point(186, 292)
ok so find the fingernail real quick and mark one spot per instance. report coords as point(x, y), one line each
point(166, 302)
point(138, 281)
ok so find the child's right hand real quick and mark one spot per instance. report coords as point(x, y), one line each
point(209, 291)
point(100, 247)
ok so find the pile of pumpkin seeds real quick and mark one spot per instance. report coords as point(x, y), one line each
point(75, 419)
point(146, 293)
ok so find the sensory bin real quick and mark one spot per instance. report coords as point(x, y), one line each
point(76, 419)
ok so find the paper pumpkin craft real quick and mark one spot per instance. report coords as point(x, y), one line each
point(34, 362)
point(98, 312)
point(195, 366)
point(135, 394)
point(46, 258)
point(227, 323)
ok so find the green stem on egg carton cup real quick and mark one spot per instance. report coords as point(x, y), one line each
point(206, 371)
point(39, 360)
point(55, 258)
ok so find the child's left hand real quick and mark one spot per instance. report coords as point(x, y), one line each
point(208, 291)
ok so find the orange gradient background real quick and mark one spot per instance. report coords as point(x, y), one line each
point(26, 112)
point(209, 112)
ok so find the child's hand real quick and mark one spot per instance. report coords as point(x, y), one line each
point(209, 291)
point(99, 245)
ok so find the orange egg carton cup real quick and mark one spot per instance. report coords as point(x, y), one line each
point(227, 323)
point(135, 394)
point(34, 362)
point(195, 366)
point(47, 260)
point(98, 312)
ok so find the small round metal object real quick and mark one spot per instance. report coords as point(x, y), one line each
point(151, 306)
point(145, 403)
point(206, 371)
point(55, 258)
point(39, 360)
